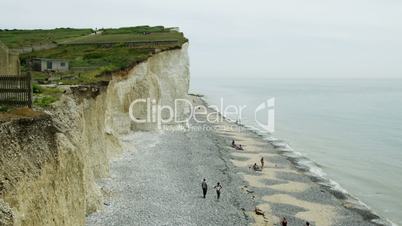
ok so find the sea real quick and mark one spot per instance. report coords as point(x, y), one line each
point(347, 132)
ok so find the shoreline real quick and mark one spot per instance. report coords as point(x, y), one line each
point(346, 200)
point(156, 181)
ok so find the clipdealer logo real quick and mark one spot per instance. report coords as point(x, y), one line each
point(182, 111)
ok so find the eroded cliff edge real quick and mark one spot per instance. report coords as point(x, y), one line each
point(49, 164)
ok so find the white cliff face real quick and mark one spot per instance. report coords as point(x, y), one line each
point(87, 137)
point(164, 78)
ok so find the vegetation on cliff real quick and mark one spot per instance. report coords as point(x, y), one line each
point(26, 38)
point(93, 55)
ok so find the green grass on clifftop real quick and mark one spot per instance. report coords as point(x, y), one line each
point(91, 61)
point(88, 63)
point(26, 38)
point(93, 56)
point(127, 34)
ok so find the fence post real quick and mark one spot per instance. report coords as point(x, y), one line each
point(29, 77)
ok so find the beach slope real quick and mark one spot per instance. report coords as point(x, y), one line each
point(157, 180)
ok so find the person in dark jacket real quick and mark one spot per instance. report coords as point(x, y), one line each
point(204, 187)
point(284, 222)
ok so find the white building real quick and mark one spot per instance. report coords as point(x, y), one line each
point(44, 64)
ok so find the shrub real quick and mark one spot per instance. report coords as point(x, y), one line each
point(3, 108)
point(37, 88)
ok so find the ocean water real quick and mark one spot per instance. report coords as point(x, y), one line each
point(349, 131)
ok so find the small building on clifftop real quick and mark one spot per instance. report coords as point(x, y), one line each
point(45, 64)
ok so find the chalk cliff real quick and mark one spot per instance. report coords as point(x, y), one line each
point(49, 164)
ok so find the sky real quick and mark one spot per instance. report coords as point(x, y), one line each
point(274, 39)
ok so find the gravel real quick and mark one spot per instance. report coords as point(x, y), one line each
point(157, 181)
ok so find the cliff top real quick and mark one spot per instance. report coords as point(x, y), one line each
point(90, 54)
point(85, 56)
point(94, 57)
point(26, 38)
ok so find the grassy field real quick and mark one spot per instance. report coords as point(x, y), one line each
point(121, 38)
point(128, 34)
point(90, 63)
point(26, 38)
point(136, 30)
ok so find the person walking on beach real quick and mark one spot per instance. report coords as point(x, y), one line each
point(284, 222)
point(218, 188)
point(262, 162)
point(204, 187)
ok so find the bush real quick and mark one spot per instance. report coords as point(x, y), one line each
point(37, 88)
point(3, 108)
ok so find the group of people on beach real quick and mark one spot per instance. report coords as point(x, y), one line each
point(217, 187)
point(255, 166)
point(237, 147)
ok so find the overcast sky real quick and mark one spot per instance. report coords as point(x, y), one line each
point(252, 38)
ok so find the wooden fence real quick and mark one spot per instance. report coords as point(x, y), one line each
point(130, 44)
point(16, 90)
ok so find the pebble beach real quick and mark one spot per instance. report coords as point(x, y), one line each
point(157, 181)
